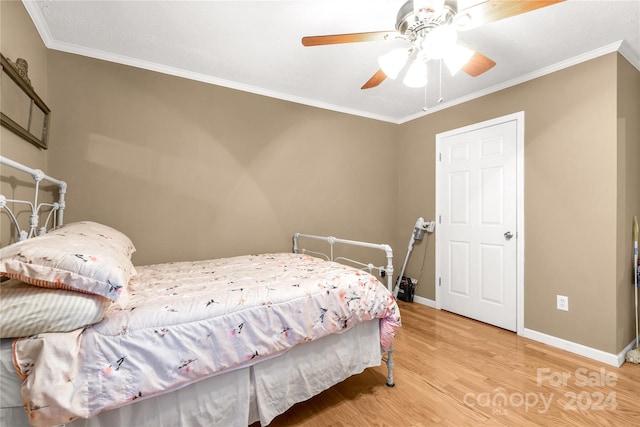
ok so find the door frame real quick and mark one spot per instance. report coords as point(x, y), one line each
point(519, 119)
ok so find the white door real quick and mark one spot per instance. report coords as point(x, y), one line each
point(476, 249)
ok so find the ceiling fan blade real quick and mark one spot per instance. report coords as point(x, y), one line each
point(375, 80)
point(347, 38)
point(494, 10)
point(478, 64)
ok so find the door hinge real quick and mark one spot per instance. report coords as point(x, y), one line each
point(439, 281)
point(439, 157)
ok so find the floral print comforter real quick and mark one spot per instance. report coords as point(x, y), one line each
point(190, 320)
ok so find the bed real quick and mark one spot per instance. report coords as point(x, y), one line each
point(231, 341)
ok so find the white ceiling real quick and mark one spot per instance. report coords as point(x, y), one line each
point(255, 46)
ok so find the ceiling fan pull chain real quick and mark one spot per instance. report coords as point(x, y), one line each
point(425, 108)
point(440, 99)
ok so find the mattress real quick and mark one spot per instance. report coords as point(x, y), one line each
point(235, 399)
point(194, 320)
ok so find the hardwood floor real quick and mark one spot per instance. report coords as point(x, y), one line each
point(454, 371)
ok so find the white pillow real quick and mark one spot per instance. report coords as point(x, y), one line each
point(27, 310)
point(83, 257)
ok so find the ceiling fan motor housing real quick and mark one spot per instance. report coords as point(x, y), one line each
point(412, 25)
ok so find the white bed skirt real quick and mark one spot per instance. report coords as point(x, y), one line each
point(237, 398)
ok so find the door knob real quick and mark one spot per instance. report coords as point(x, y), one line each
point(508, 235)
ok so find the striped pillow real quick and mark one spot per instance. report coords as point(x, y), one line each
point(27, 310)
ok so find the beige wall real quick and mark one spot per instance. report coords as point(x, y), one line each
point(19, 39)
point(628, 203)
point(191, 170)
point(571, 176)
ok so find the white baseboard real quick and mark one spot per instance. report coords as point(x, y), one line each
point(601, 356)
point(424, 301)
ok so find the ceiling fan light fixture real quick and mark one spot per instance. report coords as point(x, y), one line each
point(416, 75)
point(463, 22)
point(440, 41)
point(393, 62)
point(457, 57)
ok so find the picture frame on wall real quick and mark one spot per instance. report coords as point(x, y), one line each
point(22, 111)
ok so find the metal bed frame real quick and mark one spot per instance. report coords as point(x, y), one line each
point(382, 271)
point(57, 208)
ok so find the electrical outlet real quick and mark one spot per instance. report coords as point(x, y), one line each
point(562, 302)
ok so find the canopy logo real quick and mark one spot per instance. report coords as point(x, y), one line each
point(590, 399)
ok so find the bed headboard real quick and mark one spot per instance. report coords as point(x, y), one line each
point(55, 215)
point(383, 271)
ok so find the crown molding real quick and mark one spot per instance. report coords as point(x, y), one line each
point(34, 12)
point(626, 51)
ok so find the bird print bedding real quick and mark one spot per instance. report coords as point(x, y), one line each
point(186, 321)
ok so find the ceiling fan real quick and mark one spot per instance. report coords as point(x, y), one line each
point(431, 27)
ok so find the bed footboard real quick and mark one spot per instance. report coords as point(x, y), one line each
point(383, 271)
point(390, 364)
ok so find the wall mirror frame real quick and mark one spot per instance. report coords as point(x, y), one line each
point(22, 111)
